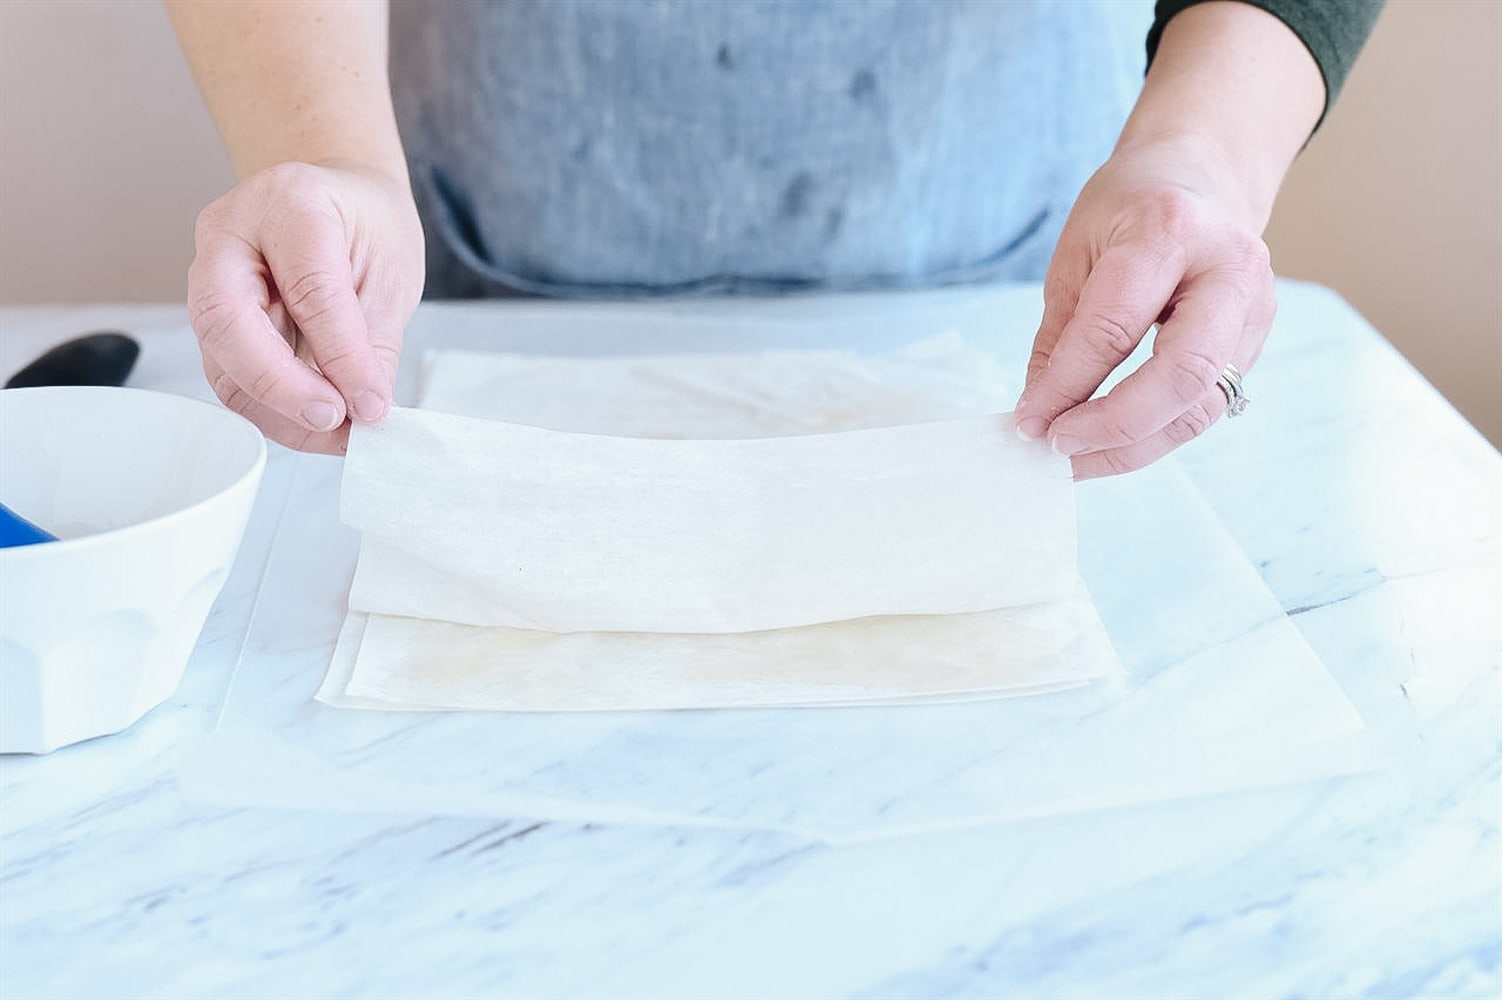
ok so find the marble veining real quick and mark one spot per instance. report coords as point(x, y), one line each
point(1368, 507)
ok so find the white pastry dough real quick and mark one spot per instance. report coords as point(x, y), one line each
point(429, 664)
point(520, 568)
point(483, 523)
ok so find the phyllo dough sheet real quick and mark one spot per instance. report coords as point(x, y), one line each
point(687, 542)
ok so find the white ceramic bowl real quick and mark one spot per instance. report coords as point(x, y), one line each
point(148, 494)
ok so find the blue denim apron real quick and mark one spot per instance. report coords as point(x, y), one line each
point(640, 147)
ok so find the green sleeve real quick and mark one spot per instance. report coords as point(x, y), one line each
point(1332, 30)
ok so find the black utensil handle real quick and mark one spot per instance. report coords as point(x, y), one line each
point(94, 359)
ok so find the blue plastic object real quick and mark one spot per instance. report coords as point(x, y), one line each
point(16, 530)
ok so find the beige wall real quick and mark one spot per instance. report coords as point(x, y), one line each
point(1397, 202)
point(106, 154)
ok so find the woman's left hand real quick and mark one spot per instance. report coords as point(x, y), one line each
point(1152, 239)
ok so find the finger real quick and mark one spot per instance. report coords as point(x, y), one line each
point(1198, 418)
point(290, 433)
point(227, 303)
point(309, 259)
point(1193, 344)
point(1259, 322)
point(1186, 427)
point(1061, 293)
point(385, 319)
point(1123, 296)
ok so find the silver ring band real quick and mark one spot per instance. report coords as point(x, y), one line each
point(1230, 385)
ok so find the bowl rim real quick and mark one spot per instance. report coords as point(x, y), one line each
point(252, 474)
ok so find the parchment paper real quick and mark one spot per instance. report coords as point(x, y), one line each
point(1220, 692)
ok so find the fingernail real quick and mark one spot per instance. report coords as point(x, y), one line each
point(1031, 428)
point(321, 415)
point(368, 406)
point(1066, 444)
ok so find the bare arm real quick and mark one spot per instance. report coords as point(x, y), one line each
point(308, 270)
point(1168, 231)
point(294, 82)
point(1234, 81)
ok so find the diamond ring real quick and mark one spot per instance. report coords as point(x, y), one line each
point(1230, 385)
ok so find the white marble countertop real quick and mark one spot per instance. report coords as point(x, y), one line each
point(1371, 510)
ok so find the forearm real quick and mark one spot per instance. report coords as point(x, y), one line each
point(1232, 94)
point(303, 81)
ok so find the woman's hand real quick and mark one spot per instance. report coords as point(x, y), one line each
point(1168, 232)
point(1153, 239)
point(308, 270)
point(304, 279)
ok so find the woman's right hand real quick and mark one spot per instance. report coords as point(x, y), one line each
point(303, 281)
